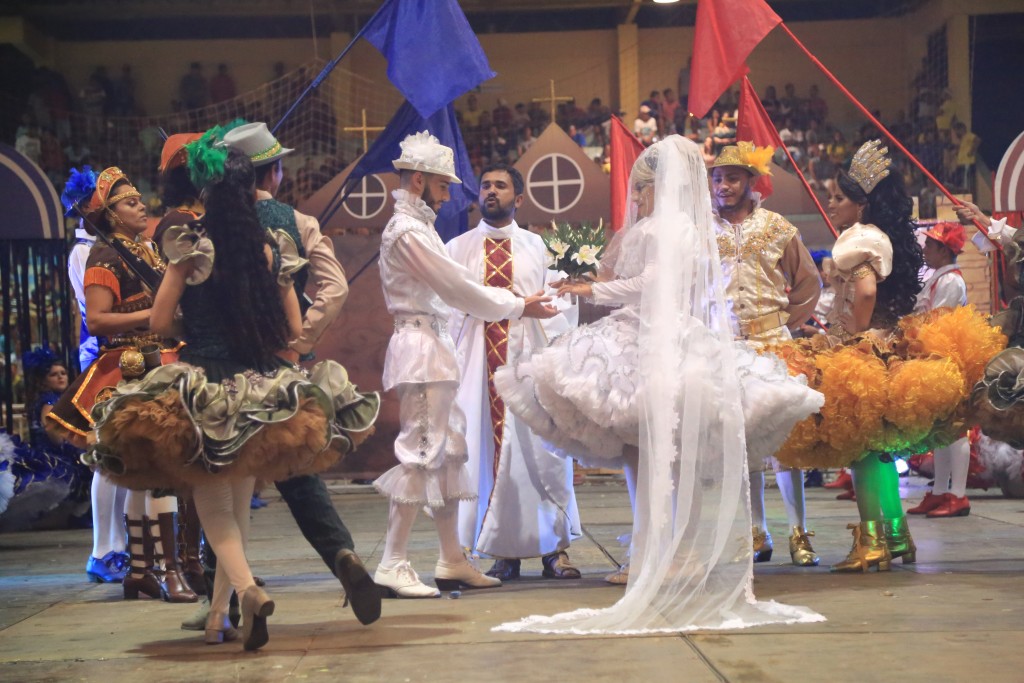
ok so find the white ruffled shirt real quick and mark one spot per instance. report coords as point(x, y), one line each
point(945, 287)
point(420, 281)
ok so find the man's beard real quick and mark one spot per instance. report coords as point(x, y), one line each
point(495, 213)
point(428, 198)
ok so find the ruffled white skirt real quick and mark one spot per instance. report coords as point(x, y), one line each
point(580, 393)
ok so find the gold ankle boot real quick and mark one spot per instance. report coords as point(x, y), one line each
point(899, 540)
point(800, 548)
point(869, 549)
point(762, 544)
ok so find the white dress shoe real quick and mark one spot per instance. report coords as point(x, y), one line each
point(401, 581)
point(451, 577)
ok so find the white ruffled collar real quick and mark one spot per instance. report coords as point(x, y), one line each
point(413, 205)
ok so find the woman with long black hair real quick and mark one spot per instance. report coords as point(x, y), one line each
point(876, 278)
point(231, 409)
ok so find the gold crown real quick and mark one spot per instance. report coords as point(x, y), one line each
point(870, 164)
point(746, 155)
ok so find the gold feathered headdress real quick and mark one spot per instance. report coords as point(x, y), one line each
point(746, 155)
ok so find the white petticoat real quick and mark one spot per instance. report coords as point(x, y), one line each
point(580, 393)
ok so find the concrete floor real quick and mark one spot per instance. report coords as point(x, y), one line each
point(957, 615)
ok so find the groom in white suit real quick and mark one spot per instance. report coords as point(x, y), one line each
point(526, 506)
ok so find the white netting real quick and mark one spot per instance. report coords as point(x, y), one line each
point(315, 130)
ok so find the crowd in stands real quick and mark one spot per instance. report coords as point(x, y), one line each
point(59, 128)
point(820, 146)
point(103, 123)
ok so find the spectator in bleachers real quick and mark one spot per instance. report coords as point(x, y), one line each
point(124, 93)
point(817, 107)
point(789, 103)
point(820, 169)
point(723, 134)
point(29, 144)
point(966, 156)
point(577, 136)
point(645, 127)
point(471, 114)
point(653, 102)
point(100, 73)
point(683, 80)
point(222, 86)
point(520, 118)
point(669, 107)
point(501, 116)
point(539, 116)
point(192, 90)
point(929, 151)
point(837, 149)
point(792, 137)
point(526, 141)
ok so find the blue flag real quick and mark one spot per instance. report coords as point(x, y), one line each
point(433, 55)
point(452, 219)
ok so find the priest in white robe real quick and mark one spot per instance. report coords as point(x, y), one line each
point(526, 506)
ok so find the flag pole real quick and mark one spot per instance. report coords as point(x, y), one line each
point(792, 161)
point(328, 69)
point(885, 131)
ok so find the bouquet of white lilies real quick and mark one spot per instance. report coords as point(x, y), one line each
point(575, 251)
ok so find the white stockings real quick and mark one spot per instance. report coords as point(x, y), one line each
point(108, 507)
point(951, 465)
point(223, 507)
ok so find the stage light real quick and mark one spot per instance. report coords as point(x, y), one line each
point(665, 2)
point(901, 466)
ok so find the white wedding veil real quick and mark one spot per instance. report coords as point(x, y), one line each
point(691, 564)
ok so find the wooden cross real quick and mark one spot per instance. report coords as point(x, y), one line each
point(553, 100)
point(364, 129)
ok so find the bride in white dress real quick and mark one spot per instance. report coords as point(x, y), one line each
point(660, 387)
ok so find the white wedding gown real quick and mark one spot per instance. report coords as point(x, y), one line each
point(664, 373)
point(581, 393)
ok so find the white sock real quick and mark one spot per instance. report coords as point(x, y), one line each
point(757, 514)
point(223, 507)
point(942, 457)
point(960, 462)
point(400, 521)
point(107, 517)
point(791, 486)
point(447, 521)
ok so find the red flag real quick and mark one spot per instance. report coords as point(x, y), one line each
point(756, 126)
point(625, 150)
point(727, 32)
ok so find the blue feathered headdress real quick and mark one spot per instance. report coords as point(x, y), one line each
point(38, 359)
point(79, 188)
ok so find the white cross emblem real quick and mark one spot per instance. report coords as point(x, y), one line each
point(562, 175)
point(369, 199)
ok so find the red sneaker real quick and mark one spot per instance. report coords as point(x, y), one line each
point(843, 481)
point(952, 506)
point(929, 503)
point(848, 494)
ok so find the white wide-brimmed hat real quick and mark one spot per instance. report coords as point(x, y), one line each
point(423, 152)
point(256, 140)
